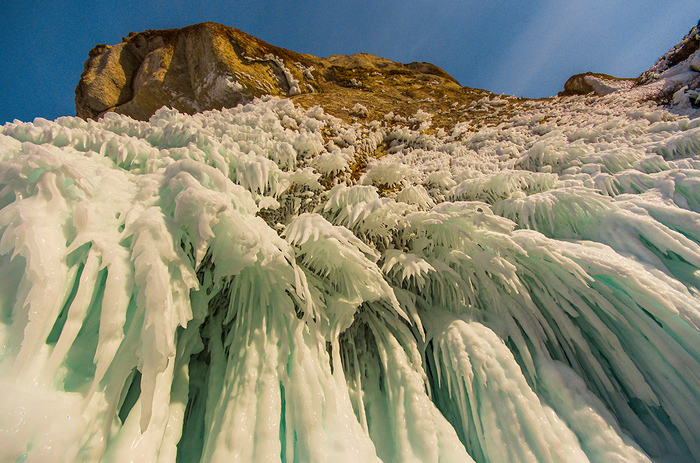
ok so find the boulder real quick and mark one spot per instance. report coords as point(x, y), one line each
point(200, 67)
point(596, 83)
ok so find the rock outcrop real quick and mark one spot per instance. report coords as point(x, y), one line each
point(200, 67)
point(598, 84)
point(211, 66)
point(687, 52)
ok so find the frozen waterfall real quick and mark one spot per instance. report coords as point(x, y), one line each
point(230, 287)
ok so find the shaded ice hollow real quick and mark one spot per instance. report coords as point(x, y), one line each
point(219, 287)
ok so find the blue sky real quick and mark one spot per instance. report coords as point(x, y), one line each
point(522, 48)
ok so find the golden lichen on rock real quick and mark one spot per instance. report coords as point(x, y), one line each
point(200, 67)
point(211, 66)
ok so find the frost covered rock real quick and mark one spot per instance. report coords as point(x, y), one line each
point(598, 84)
point(678, 69)
point(274, 283)
point(359, 110)
point(678, 55)
point(668, 81)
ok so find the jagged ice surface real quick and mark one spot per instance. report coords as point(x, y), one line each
point(218, 287)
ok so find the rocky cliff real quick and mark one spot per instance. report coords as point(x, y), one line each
point(211, 66)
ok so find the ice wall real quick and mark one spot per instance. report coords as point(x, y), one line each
point(221, 287)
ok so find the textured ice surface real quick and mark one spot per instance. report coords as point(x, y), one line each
point(220, 287)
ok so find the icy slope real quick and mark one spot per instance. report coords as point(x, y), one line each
point(268, 283)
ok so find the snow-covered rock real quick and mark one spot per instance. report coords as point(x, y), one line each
point(270, 282)
point(598, 84)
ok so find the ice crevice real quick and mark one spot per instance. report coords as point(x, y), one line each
point(223, 287)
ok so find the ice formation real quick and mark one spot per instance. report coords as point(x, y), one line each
point(224, 287)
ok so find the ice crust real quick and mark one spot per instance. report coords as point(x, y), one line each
point(219, 287)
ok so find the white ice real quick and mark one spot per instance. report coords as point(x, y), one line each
point(222, 287)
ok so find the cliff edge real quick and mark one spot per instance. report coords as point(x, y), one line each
point(211, 66)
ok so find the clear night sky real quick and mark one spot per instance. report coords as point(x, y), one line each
point(522, 48)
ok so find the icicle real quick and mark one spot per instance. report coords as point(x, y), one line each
point(166, 297)
point(497, 414)
point(595, 427)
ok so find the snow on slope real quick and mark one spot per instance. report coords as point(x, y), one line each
point(258, 284)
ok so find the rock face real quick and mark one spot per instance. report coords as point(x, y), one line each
point(686, 51)
point(199, 67)
point(210, 66)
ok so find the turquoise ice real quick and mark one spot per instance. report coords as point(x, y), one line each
point(218, 288)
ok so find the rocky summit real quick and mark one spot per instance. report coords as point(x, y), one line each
point(210, 66)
